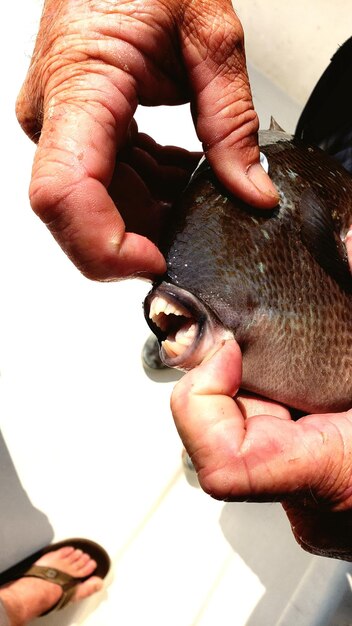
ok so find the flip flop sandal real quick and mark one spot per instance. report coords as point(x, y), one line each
point(68, 583)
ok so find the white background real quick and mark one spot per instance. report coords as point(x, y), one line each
point(90, 434)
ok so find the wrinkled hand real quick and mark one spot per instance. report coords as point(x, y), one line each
point(94, 61)
point(250, 449)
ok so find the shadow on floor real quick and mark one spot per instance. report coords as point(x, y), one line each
point(261, 535)
point(23, 528)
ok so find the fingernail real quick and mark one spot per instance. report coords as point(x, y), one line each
point(258, 176)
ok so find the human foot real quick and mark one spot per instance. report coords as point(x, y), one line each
point(29, 597)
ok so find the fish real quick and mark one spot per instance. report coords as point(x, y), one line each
point(277, 281)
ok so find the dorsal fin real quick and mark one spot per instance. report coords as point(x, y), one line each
point(319, 236)
point(274, 125)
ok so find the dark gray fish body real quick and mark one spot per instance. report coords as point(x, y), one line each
point(278, 281)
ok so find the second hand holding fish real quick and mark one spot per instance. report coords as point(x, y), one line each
point(248, 449)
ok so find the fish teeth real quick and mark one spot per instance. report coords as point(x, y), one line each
point(157, 306)
point(183, 339)
point(172, 348)
point(179, 339)
point(170, 309)
point(161, 305)
point(186, 334)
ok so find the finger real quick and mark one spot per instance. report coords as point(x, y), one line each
point(319, 531)
point(86, 117)
point(251, 405)
point(165, 169)
point(156, 175)
point(141, 213)
point(264, 457)
point(168, 155)
point(226, 122)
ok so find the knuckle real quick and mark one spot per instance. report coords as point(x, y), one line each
point(215, 28)
point(48, 204)
point(92, 251)
point(215, 483)
point(235, 127)
point(244, 133)
point(29, 110)
point(41, 202)
point(59, 52)
point(97, 262)
point(46, 195)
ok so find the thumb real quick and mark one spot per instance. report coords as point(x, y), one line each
point(263, 457)
point(225, 119)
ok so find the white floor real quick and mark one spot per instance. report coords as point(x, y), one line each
point(88, 446)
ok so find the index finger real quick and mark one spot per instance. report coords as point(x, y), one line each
point(212, 41)
point(85, 120)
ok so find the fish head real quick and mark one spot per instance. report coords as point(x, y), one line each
point(204, 298)
point(277, 281)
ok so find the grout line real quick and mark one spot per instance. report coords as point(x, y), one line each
point(211, 591)
point(140, 527)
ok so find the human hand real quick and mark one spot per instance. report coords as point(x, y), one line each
point(93, 63)
point(245, 448)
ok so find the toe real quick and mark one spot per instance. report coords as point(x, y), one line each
point(70, 560)
point(75, 556)
point(86, 568)
point(83, 560)
point(86, 589)
point(65, 552)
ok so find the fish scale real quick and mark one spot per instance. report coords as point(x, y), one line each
point(278, 280)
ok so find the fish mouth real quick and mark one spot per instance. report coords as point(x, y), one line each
point(185, 328)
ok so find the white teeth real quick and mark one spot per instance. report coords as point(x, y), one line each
point(157, 306)
point(170, 309)
point(183, 340)
point(160, 305)
point(186, 334)
point(179, 339)
point(172, 348)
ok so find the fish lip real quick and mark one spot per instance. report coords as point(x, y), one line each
point(197, 312)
